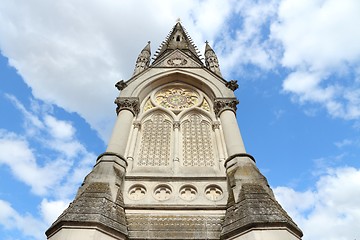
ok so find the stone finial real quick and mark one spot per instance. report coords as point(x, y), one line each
point(211, 60)
point(222, 104)
point(130, 103)
point(143, 60)
point(120, 85)
point(232, 84)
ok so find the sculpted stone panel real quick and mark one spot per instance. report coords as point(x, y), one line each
point(137, 192)
point(177, 98)
point(197, 142)
point(214, 193)
point(155, 141)
point(162, 192)
point(188, 192)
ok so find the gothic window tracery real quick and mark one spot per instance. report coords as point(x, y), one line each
point(197, 147)
point(192, 141)
point(155, 141)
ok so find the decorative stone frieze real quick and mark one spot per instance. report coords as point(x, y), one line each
point(120, 85)
point(232, 84)
point(129, 103)
point(222, 104)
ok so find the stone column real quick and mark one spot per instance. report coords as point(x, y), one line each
point(132, 146)
point(176, 146)
point(220, 146)
point(225, 109)
point(126, 109)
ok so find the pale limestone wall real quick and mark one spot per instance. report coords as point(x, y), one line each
point(266, 234)
point(142, 84)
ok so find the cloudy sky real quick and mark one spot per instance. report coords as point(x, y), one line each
point(297, 63)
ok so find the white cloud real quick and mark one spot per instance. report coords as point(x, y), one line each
point(27, 224)
point(320, 45)
point(65, 159)
point(333, 203)
point(51, 210)
point(243, 40)
point(72, 53)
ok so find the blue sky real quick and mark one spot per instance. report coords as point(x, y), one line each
point(297, 64)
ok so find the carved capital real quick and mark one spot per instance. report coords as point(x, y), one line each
point(129, 103)
point(232, 84)
point(137, 124)
point(176, 125)
point(120, 85)
point(215, 125)
point(222, 104)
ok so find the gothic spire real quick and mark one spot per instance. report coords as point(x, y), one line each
point(178, 38)
point(143, 59)
point(211, 60)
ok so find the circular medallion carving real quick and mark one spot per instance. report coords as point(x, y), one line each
point(176, 98)
point(162, 192)
point(137, 192)
point(188, 192)
point(214, 193)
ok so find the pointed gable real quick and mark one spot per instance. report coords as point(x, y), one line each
point(176, 58)
point(177, 39)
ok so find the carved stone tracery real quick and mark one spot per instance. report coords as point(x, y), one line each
point(155, 142)
point(177, 98)
point(197, 144)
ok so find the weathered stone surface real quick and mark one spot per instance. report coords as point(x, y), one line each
point(255, 208)
point(95, 206)
point(174, 226)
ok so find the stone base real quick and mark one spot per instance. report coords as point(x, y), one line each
point(266, 234)
point(91, 233)
point(180, 224)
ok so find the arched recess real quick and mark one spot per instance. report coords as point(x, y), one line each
point(197, 140)
point(155, 141)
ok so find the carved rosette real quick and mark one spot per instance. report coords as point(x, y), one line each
point(129, 103)
point(222, 104)
point(215, 125)
point(232, 84)
point(176, 61)
point(176, 125)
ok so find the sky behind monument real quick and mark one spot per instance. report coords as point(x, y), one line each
point(297, 63)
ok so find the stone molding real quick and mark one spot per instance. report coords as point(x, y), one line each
point(130, 103)
point(238, 155)
point(222, 104)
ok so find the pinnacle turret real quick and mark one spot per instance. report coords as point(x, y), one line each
point(143, 59)
point(211, 60)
